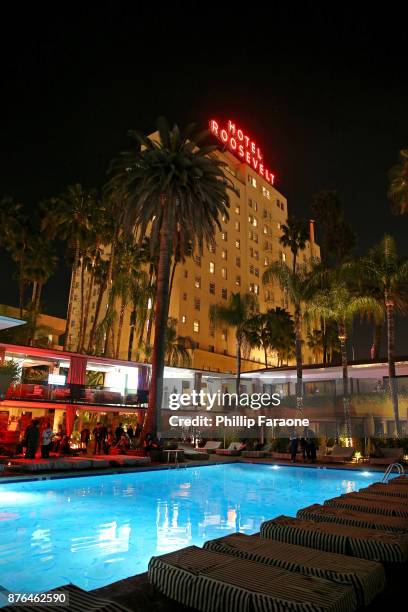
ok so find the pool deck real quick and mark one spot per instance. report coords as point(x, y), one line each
point(8, 476)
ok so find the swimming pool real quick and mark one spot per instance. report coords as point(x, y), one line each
point(98, 529)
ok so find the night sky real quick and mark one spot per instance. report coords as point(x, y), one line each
point(324, 93)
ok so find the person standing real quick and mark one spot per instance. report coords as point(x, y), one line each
point(98, 434)
point(303, 448)
point(47, 436)
point(293, 448)
point(130, 432)
point(32, 440)
point(118, 432)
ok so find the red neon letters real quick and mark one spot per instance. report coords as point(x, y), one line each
point(242, 147)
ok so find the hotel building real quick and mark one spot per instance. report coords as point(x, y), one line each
point(247, 243)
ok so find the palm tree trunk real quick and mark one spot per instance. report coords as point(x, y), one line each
point(161, 317)
point(344, 362)
point(324, 339)
point(81, 316)
point(109, 285)
point(21, 283)
point(71, 293)
point(131, 333)
point(391, 363)
point(299, 364)
point(120, 327)
point(238, 378)
point(266, 355)
point(34, 292)
point(173, 270)
point(102, 288)
point(38, 296)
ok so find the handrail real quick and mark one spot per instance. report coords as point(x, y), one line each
point(388, 471)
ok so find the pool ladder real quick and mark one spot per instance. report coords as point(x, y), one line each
point(388, 471)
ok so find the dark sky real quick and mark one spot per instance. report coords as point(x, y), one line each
point(323, 91)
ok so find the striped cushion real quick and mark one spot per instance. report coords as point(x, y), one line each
point(78, 602)
point(213, 582)
point(371, 544)
point(366, 577)
point(384, 489)
point(354, 518)
point(372, 506)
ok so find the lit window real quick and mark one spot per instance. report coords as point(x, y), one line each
point(255, 203)
point(224, 293)
point(256, 289)
point(238, 281)
point(224, 254)
point(237, 226)
point(253, 181)
point(212, 288)
point(197, 303)
point(238, 244)
point(224, 334)
point(224, 235)
point(212, 248)
point(224, 272)
point(256, 254)
point(266, 261)
point(265, 230)
point(183, 319)
point(237, 210)
point(212, 267)
point(197, 282)
point(255, 237)
point(266, 193)
point(279, 225)
point(255, 222)
point(283, 256)
point(224, 218)
point(196, 326)
point(251, 287)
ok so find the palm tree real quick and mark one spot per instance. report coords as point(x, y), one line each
point(170, 186)
point(69, 216)
point(384, 270)
point(294, 236)
point(299, 286)
point(178, 347)
point(237, 313)
point(337, 303)
point(315, 343)
point(398, 188)
point(272, 331)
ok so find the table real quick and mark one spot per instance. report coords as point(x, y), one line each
point(175, 452)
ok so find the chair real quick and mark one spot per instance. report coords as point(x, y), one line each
point(366, 577)
point(209, 447)
point(389, 455)
point(354, 501)
point(233, 450)
point(327, 514)
point(257, 454)
point(339, 454)
point(214, 582)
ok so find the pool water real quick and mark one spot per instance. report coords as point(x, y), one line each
point(98, 529)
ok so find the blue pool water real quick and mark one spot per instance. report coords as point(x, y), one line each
point(95, 530)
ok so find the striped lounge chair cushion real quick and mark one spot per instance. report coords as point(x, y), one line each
point(386, 499)
point(366, 577)
point(213, 582)
point(385, 489)
point(371, 506)
point(371, 544)
point(354, 518)
point(78, 601)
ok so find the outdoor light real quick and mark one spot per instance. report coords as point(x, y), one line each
point(275, 467)
point(366, 473)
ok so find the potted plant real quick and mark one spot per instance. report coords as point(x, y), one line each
point(9, 373)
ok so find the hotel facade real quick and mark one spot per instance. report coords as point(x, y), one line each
point(249, 241)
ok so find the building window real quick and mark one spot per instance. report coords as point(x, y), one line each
point(266, 261)
point(224, 334)
point(238, 262)
point(212, 288)
point(279, 225)
point(224, 293)
point(256, 255)
point(257, 272)
point(255, 222)
point(266, 192)
point(224, 235)
point(212, 248)
point(183, 318)
point(196, 326)
point(197, 282)
point(237, 210)
point(224, 254)
point(197, 303)
point(224, 272)
point(237, 226)
point(251, 251)
point(251, 269)
point(238, 244)
point(255, 204)
point(256, 289)
point(197, 260)
point(265, 230)
point(211, 348)
point(238, 281)
point(212, 267)
point(224, 218)
point(184, 296)
point(283, 256)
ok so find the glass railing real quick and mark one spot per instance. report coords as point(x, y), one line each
point(77, 394)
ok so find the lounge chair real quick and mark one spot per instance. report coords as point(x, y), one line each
point(78, 599)
point(389, 455)
point(193, 453)
point(374, 506)
point(316, 512)
point(213, 582)
point(257, 454)
point(388, 489)
point(210, 446)
point(125, 461)
point(233, 450)
point(339, 454)
point(366, 577)
point(372, 544)
point(39, 465)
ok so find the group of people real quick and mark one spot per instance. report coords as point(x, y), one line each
point(307, 448)
point(105, 439)
point(36, 436)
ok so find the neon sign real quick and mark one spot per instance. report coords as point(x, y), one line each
point(243, 147)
